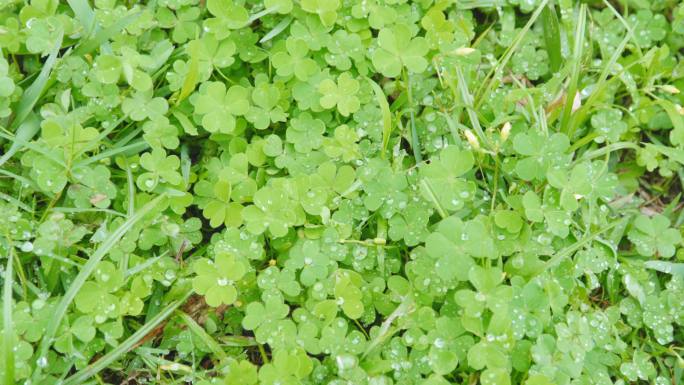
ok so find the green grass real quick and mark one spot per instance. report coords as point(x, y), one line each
point(342, 192)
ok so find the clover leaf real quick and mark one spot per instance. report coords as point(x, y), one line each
point(653, 236)
point(609, 125)
point(305, 132)
point(341, 94)
point(348, 294)
point(143, 106)
point(531, 62)
point(294, 60)
point(648, 28)
point(159, 132)
point(265, 109)
point(441, 180)
point(227, 16)
point(272, 210)
point(326, 10)
point(216, 280)
point(219, 107)
point(540, 154)
point(399, 49)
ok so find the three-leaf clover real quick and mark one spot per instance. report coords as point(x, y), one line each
point(305, 132)
point(540, 153)
point(216, 280)
point(218, 107)
point(265, 109)
point(647, 27)
point(654, 235)
point(341, 94)
point(272, 210)
point(294, 60)
point(160, 169)
point(397, 50)
point(441, 180)
point(608, 124)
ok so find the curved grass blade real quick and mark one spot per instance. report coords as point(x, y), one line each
point(203, 335)
point(86, 271)
point(26, 131)
point(128, 344)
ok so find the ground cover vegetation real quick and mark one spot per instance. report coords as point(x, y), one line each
point(367, 192)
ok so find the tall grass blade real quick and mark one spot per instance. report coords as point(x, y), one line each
point(576, 66)
point(552, 37)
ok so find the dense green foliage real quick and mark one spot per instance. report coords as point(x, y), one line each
point(366, 192)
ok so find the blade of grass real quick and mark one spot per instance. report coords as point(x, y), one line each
point(630, 30)
point(27, 129)
point(567, 251)
point(128, 344)
point(381, 99)
point(415, 141)
point(454, 127)
point(16, 202)
point(576, 66)
point(77, 210)
point(275, 31)
point(7, 325)
point(18, 178)
point(600, 87)
point(552, 36)
point(426, 189)
point(86, 271)
point(191, 78)
point(202, 335)
point(243, 341)
point(134, 147)
point(467, 100)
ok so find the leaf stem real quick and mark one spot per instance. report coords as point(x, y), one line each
point(262, 352)
point(415, 142)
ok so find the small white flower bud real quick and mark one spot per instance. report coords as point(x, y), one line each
point(670, 89)
point(472, 139)
point(505, 131)
point(463, 51)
